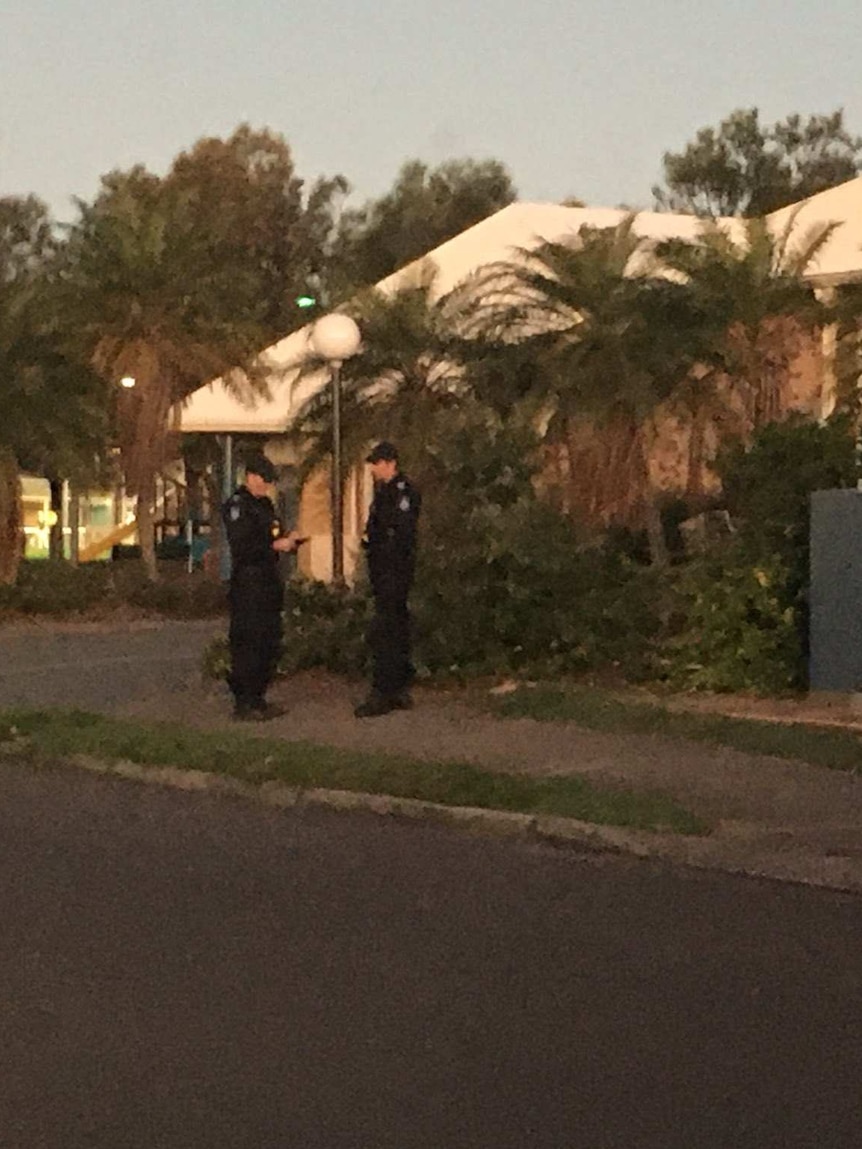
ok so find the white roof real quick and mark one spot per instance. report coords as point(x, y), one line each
point(525, 226)
point(216, 408)
point(840, 259)
point(495, 239)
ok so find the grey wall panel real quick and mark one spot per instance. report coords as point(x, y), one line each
point(836, 591)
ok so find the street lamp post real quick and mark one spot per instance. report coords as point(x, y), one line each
point(335, 338)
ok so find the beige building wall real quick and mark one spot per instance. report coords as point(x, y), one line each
point(314, 520)
point(806, 384)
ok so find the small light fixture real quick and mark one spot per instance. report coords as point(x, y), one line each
point(128, 381)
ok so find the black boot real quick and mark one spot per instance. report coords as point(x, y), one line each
point(242, 712)
point(269, 710)
point(374, 706)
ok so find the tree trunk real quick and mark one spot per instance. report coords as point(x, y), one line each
point(74, 525)
point(11, 522)
point(581, 455)
point(655, 533)
point(212, 563)
point(658, 550)
point(55, 536)
point(193, 493)
point(146, 526)
point(694, 485)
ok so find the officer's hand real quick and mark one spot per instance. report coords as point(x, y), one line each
point(287, 542)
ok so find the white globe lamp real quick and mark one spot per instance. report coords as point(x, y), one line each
point(336, 337)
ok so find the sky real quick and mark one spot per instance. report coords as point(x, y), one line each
point(577, 97)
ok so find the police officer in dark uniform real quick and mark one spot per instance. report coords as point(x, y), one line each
point(255, 539)
point(390, 549)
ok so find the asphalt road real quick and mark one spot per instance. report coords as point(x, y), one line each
point(181, 971)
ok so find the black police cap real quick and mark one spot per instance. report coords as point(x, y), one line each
point(260, 465)
point(383, 453)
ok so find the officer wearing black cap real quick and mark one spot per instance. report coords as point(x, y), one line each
point(390, 549)
point(255, 539)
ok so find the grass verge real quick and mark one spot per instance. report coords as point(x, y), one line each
point(58, 735)
point(598, 710)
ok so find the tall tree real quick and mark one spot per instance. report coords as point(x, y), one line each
point(255, 219)
point(409, 372)
point(424, 208)
point(845, 314)
point(746, 168)
point(615, 341)
point(445, 395)
point(757, 312)
point(54, 413)
point(178, 280)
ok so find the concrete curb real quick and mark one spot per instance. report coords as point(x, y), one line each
point(725, 853)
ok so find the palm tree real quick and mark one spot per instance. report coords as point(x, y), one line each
point(614, 339)
point(53, 407)
point(409, 374)
point(757, 312)
point(844, 308)
point(54, 420)
point(148, 310)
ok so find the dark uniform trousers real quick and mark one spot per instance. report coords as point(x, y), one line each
point(255, 634)
point(390, 546)
point(390, 644)
point(255, 596)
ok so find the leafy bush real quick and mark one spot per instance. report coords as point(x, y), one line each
point(324, 626)
point(179, 594)
point(743, 612)
point(504, 581)
point(59, 588)
point(575, 611)
point(739, 627)
point(523, 595)
point(56, 588)
point(767, 486)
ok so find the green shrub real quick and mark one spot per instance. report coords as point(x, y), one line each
point(326, 627)
point(767, 489)
point(522, 595)
point(767, 485)
point(216, 660)
point(178, 594)
point(57, 588)
point(739, 628)
point(505, 582)
point(544, 609)
point(746, 610)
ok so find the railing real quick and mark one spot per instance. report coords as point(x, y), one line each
point(125, 530)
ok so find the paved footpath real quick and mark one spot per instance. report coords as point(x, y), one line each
point(770, 816)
